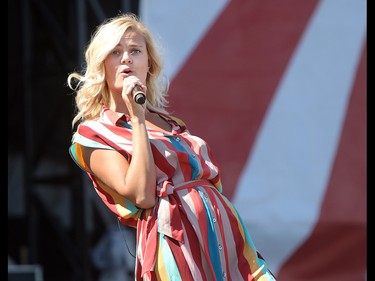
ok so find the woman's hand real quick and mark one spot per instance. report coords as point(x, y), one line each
point(134, 108)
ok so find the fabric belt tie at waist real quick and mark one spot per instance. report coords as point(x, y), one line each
point(168, 188)
point(168, 220)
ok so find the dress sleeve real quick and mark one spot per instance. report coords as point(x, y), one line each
point(76, 149)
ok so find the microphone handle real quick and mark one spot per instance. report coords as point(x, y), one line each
point(139, 96)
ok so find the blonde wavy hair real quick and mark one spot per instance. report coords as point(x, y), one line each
point(91, 87)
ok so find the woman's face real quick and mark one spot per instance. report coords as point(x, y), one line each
point(128, 58)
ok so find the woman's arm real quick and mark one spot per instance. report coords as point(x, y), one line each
point(136, 181)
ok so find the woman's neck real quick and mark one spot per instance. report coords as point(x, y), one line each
point(117, 104)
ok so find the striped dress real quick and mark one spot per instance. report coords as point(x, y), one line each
point(193, 232)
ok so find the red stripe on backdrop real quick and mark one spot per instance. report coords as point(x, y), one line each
point(227, 84)
point(341, 229)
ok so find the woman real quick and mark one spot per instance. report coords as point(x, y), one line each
point(149, 170)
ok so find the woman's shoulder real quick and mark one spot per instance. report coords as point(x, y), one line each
point(94, 127)
point(88, 123)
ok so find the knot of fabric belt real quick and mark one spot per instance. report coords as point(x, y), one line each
point(169, 219)
point(167, 189)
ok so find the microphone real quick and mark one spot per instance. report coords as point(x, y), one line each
point(138, 95)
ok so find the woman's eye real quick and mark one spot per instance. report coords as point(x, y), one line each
point(135, 51)
point(115, 52)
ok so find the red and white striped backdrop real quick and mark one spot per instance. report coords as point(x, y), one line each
point(278, 88)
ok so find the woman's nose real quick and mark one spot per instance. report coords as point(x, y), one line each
point(126, 58)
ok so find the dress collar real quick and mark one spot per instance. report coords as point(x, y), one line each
point(108, 115)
